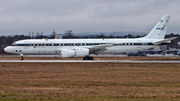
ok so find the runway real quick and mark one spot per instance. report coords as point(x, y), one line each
point(106, 55)
point(87, 61)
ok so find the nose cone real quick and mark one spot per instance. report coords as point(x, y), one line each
point(6, 49)
point(10, 49)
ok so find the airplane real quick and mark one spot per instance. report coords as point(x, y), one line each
point(171, 51)
point(136, 53)
point(148, 51)
point(67, 48)
point(159, 51)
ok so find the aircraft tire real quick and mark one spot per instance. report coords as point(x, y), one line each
point(21, 58)
point(91, 58)
point(88, 58)
point(85, 58)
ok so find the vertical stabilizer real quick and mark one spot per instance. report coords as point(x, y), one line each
point(159, 31)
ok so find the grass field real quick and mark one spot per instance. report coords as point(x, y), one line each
point(89, 81)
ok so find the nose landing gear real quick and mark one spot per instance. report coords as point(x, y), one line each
point(21, 57)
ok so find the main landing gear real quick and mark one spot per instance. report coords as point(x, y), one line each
point(21, 57)
point(88, 58)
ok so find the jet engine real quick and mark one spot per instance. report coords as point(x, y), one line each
point(77, 52)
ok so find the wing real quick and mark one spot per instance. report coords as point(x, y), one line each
point(95, 49)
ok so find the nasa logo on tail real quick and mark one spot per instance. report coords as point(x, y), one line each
point(161, 28)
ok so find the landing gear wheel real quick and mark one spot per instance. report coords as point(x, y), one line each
point(85, 58)
point(88, 58)
point(91, 58)
point(21, 58)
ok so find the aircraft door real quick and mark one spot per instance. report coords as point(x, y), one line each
point(26, 45)
point(139, 43)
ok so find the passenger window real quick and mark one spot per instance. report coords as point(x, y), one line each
point(16, 50)
point(19, 50)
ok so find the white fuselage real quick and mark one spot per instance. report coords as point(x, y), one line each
point(53, 46)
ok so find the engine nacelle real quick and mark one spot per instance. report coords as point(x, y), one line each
point(77, 52)
point(67, 53)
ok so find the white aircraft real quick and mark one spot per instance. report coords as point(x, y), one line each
point(67, 48)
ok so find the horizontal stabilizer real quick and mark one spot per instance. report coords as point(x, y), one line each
point(168, 40)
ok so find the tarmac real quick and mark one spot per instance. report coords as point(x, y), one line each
point(93, 61)
point(106, 55)
point(85, 61)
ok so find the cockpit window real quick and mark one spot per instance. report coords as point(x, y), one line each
point(14, 44)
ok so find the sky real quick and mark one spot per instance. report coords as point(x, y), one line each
point(23, 16)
